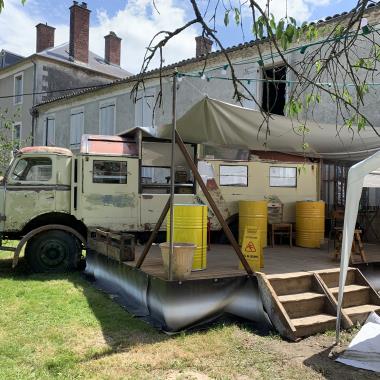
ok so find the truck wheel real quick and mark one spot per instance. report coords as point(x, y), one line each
point(52, 251)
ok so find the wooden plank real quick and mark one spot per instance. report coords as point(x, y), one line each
point(332, 304)
point(274, 308)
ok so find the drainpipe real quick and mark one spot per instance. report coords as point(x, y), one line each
point(34, 100)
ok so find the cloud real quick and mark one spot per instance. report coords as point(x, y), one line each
point(136, 24)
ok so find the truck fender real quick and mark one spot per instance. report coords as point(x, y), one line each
point(36, 231)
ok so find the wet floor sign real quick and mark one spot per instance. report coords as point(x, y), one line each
point(251, 248)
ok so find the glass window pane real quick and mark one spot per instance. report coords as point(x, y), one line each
point(282, 176)
point(33, 169)
point(155, 175)
point(110, 172)
point(233, 175)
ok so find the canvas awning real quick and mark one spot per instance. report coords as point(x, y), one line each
point(213, 122)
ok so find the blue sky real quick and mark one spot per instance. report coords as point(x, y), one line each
point(135, 22)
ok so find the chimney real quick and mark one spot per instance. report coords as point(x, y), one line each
point(203, 46)
point(45, 37)
point(112, 49)
point(79, 32)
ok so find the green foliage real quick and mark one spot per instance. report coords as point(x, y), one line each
point(7, 144)
point(2, 4)
point(293, 107)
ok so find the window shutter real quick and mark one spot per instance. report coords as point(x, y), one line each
point(107, 120)
point(76, 129)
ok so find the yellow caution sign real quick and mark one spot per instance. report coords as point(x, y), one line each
point(252, 248)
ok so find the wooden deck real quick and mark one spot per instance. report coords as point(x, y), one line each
point(223, 262)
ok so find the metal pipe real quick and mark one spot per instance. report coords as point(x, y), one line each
point(174, 122)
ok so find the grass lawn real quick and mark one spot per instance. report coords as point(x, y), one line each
point(60, 326)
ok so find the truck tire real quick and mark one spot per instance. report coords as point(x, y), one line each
point(52, 251)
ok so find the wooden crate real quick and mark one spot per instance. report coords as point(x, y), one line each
point(116, 245)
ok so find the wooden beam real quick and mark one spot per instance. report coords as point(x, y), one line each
point(153, 234)
point(212, 203)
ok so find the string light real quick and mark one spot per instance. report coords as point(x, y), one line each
point(288, 82)
point(302, 49)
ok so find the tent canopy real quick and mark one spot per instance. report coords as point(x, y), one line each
point(213, 122)
point(357, 175)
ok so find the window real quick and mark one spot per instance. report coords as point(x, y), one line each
point(233, 175)
point(274, 93)
point(33, 169)
point(76, 128)
point(16, 135)
point(144, 109)
point(109, 172)
point(282, 176)
point(107, 119)
point(18, 88)
point(155, 175)
point(49, 137)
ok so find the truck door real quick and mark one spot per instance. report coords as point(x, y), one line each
point(110, 192)
point(30, 190)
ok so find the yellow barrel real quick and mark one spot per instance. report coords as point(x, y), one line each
point(254, 214)
point(190, 226)
point(310, 224)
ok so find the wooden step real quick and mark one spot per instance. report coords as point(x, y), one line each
point(360, 313)
point(331, 276)
point(313, 324)
point(291, 283)
point(303, 304)
point(354, 295)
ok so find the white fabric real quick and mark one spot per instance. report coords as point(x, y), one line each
point(372, 180)
point(364, 349)
point(355, 181)
point(214, 122)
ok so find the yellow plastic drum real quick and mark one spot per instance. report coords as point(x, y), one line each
point(190, 226)
point(310, 224)
point(254, 214)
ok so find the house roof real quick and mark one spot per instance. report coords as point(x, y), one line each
point(8, 58)
point(95, 62)
point(188, 61)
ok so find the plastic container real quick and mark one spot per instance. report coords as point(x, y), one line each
point(182, 259)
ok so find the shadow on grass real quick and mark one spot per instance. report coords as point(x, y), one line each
point(120, 329)
point(332, 370)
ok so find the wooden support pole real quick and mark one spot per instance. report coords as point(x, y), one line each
point(212, 203)
point(153, 234)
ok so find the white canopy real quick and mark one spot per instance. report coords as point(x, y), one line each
point(214, 122)
point(357, 175)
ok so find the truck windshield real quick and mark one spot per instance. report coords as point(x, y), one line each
point(32, 169)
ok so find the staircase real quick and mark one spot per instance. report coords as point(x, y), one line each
point(305, 303)
point(360, 299)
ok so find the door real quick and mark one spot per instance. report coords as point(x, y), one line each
point(30, 190)
point(110, 192)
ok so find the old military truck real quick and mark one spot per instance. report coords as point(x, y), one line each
point(51, 196)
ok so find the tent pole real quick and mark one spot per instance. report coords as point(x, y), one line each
point(212, 203)
point(172, 174)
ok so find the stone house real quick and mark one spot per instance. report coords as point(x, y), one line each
point(51, 70)
point(111, 109)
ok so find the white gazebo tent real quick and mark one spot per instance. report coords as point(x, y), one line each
point(363, 174)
